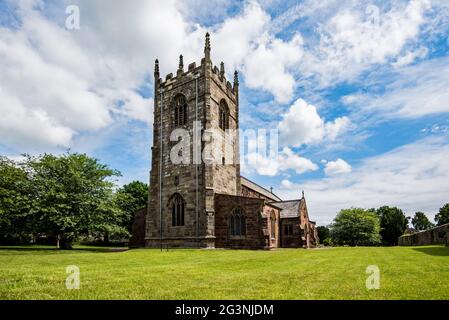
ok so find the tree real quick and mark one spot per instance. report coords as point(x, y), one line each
point(355, 226)
point(15, 198)
point(323, 233)
point(421, 222)
point(443, 215)
point(130, 198)
point(73, 196)
point(393, 223)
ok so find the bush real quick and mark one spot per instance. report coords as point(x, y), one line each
point(355, 227)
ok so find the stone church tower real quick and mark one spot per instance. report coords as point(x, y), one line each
point(200, 100)
point(197, 197)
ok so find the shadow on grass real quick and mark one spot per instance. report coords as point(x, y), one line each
point(434, 251)
point(54, 249)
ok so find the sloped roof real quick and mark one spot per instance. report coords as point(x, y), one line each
point(290, 209)
point(254, 186)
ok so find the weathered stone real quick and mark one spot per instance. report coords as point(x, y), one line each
point(210, 192)
point(437, 235)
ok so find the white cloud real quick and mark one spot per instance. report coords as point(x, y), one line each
point(337, 167)
point(335, 128)
point(359, 36)
point(211, 11)
point(414, 177)
point(79, 81)
point(51, 97)
point(287, 184)
point(265, 60)
point(73, 82)
point(291, 161)
point(436, 129)
point(273, 165)
point(266, 67)
point(410, 57)
point(233, 40)
point(412, 92)
point(303, 125)
point(22, 127)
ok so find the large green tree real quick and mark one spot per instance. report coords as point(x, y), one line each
point(73, 196)
point(323, 233)
point(421, 222)
point(393, 223)
point(130, 198)
point(442, 216)
point(15, 202)
point(355, 226)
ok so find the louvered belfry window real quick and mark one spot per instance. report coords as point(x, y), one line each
point(180, 111)
point(223, 115)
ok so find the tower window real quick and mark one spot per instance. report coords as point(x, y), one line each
point(180, 111)
point(177, 207)
point(237, 223)
point(223, 115)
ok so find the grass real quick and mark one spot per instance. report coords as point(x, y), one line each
point(337, 273)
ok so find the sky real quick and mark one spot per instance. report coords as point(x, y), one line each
point(358, 90)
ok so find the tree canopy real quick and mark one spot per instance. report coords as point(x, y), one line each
point(130, 198)
point(355, 226)
point(443, 215)
point(393, 223)
point(64, 196)
point(323, 234)
point(421, 222)
point(15, 201)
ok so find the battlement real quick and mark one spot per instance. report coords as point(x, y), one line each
point(190, 74)
point(205, 69)
point(219, 77)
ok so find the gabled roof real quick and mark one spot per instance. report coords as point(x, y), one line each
point(290, 209)
point(254, 186)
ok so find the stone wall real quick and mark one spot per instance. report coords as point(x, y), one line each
point(438, 235)
point(271, 224)
point(258, 226)
point(293, 240)
point(314, 238)
point(181, 179)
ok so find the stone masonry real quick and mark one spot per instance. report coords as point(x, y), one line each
point(207, 190)
point(204, 87)
point(437, 235)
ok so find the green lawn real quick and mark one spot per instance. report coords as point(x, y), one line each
point(338, 273)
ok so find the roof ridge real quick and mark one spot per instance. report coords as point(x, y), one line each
point(293, 200)
point(261, 187)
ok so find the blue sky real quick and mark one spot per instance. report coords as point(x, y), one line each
point(357, 89)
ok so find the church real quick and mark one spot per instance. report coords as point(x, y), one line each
point(208, 204)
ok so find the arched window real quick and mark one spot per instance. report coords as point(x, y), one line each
point(223, 115)
point(273, 225)
point(177, 210)
point(288, 229)
point(180, 111)
point(237, 223)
